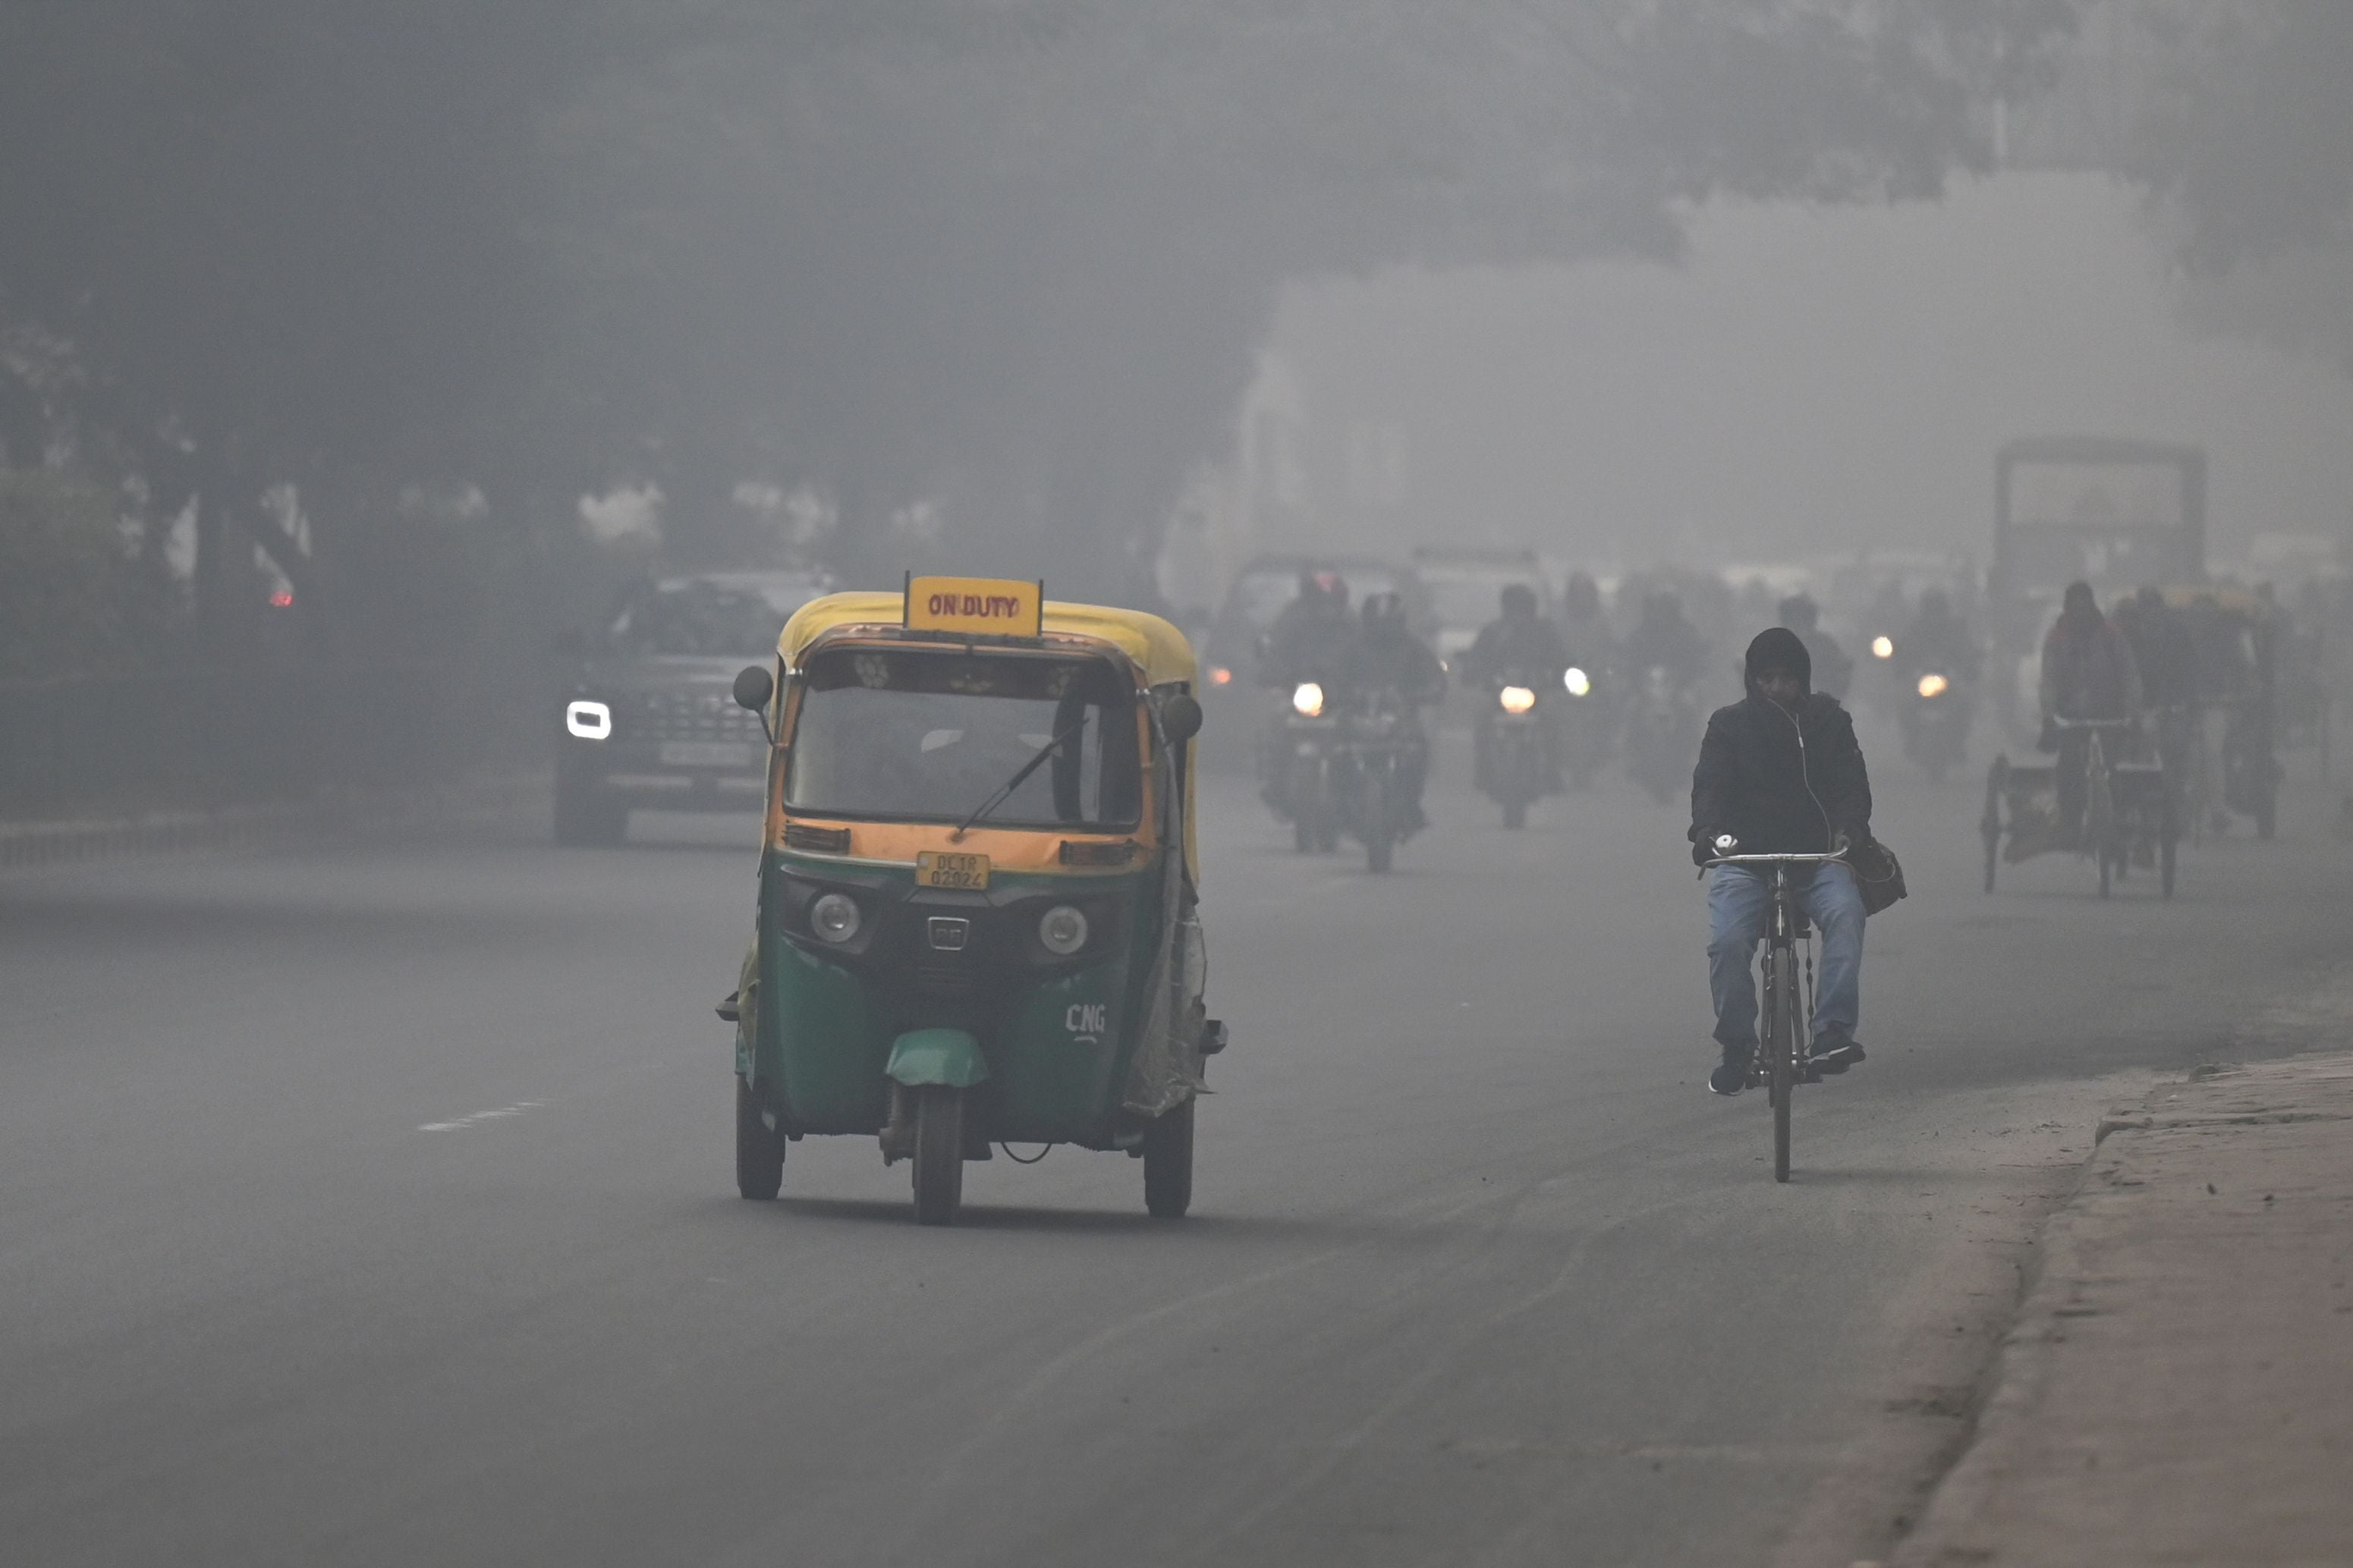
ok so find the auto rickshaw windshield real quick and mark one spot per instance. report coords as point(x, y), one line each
point(929, 735)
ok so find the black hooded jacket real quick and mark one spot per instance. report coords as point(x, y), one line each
point(1780, 781)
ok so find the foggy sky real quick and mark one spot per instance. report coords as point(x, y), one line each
point(1808, 379)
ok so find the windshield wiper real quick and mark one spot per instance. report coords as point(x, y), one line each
point(986, 806)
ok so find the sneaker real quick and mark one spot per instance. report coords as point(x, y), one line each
point(1835, 1054)
point(1731, 1076)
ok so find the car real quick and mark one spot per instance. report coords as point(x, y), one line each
point(647, 719)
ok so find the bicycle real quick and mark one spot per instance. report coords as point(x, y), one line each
point(1784, 1055)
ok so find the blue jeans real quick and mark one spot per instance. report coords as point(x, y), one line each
point(1739, 902)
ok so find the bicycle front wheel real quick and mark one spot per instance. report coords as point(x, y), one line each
point(1780, 1043)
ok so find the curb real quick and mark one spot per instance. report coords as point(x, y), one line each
point(27, 844)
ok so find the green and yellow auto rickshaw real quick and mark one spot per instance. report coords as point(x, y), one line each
point(978, 920)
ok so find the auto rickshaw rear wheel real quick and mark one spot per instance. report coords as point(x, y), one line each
point(759, 1148)
point(1168, 1162)
point(939, 1154)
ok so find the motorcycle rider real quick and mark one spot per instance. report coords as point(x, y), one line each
point(1665, 637)
point(1780, 772)
point(1387, 657)
point(1937, 642)
point(1309, 641)
point(1584, 623)
point(2088, 672)
point(1520, 640)
point(1833, 670)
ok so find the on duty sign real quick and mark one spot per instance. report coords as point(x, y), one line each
point(985, 606)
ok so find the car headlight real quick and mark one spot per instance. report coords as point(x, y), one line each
point(1933, 685)
point(1308, 700)
point(835, 917)
point(1516, 699)
point(1883, 648)
point(1579, 684)
point(1062, 930)
point(587, 720)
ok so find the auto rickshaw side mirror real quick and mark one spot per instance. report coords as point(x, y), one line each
point(1180, 717)
point(753, 687)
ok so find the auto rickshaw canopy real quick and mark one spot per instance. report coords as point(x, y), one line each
point(1158, 649)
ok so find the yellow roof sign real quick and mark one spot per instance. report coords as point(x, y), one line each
point(975, 606)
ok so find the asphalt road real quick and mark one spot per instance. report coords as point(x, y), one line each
point(376, 1206)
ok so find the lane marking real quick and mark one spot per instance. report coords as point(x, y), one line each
point(479, 1117)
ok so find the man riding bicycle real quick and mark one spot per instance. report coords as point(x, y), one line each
point(1780, 773)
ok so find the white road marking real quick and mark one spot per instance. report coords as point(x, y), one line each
point(517, 1109)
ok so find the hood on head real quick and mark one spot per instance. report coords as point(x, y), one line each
point(1778, 647)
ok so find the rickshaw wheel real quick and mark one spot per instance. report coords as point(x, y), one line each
point(939, 1154)
point(1168, 1162)
point(759, 1149)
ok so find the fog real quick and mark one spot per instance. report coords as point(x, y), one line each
point(1805, 379)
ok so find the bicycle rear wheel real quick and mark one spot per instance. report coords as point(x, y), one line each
point(1780, 1043)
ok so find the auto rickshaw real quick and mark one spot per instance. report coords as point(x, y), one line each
point(977, 920)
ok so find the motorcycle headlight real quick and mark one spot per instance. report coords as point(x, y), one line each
point(588, 720)
point(835, 917)
point(1883, 648)
point(1308, 700)
point(1579, 684)
point(1062, 930)
point(1516, 699)
point(1933, 685)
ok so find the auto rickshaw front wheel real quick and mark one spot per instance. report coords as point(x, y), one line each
point(759, 1148)
point(939, 1153)
point(1168, 1162)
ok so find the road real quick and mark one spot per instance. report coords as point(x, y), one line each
point(373, 1206)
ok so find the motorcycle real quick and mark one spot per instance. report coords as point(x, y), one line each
point(1511, 763)
point(1660, 741)
point(1309, 762)
point(1935, 722)
point(1584, 725)
point(1368, 778)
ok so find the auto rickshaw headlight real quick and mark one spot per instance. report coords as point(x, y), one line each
point(834, 917)
point(1933, 685)
point(1579, 684)
point(1308, 700)
point(1516, 699)
point(1062, 930)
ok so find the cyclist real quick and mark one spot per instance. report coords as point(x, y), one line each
point(2087, 673)
point(1780, 773)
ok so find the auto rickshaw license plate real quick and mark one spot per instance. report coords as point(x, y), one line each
point(934, 868)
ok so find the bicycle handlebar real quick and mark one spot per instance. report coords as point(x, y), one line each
point(1778, 859)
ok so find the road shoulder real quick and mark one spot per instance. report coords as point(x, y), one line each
point(2179, 1385)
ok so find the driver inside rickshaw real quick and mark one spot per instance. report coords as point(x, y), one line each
point(928, 735)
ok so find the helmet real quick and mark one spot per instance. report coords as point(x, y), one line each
point(1384, 613)
point(1518, 599)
